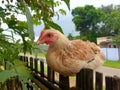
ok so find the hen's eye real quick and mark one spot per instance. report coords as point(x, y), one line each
point(49, 35)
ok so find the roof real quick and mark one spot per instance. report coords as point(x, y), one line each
point(104, 39)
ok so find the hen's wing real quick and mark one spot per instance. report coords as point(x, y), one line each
point(83, 50)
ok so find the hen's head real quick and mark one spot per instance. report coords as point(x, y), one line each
point(49, 36)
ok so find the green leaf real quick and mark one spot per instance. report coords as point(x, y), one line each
point(63, 12)
point(33, 85)
point(67, 3)
point(22, 71)
point(1, 9)
point(1, 30)
point(54, 25)
point(24, 86)
point(30, 23)
point(6, 74)
point(52, 4)
point(2, 14)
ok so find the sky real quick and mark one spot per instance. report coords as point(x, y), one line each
point(66, 21)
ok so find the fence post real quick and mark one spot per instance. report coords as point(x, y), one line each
point(36, 64)
point(50, 75)
point(21, 57)
point(116, 83)
point(84, 80)
point(98, 81)
point(64, 82)
point(26, 60)
point(42, 68)
point(108, 81)
point(112, 83)
point(31, 63)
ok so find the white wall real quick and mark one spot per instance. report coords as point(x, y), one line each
point(111, 53)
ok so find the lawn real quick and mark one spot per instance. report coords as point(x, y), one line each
point(113, 64)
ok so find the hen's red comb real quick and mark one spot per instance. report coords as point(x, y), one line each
point(42, 32)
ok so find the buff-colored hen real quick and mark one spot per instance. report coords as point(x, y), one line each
point(68, 57)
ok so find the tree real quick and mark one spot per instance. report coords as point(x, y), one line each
point(107, 9)
point(70, 36)
point(110, 23)
point(36, 12)
point(86, 20)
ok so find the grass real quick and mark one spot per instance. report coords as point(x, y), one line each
point(113, 64)
point(41, 55)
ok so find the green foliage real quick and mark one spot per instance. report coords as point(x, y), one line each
point(62, 11)
point(6, 74)
point(97, 22)
point(29, 22)
point(86, 20)
point(113, 17)
point(116, 38)
point(111, 25)
point(70, 36)
point(36, 12)
point(44, 11)
point(107, 9)
point(52, 24)
point(16, 69)
point(67, 3)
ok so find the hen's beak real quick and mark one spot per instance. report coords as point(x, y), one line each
point(39, 41)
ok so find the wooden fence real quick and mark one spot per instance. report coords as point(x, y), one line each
point(86, 79)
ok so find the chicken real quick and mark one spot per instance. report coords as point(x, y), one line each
point(68, 57)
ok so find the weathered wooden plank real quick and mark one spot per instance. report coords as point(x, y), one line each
point(108, 82)
point(64, 82)
point(26, 60)
point(84, 80)
point(36, 64)
point(50, 75)
point(39, 84)
point(98, 81)
point(21, 57)
point(79, 80)
point(31, 63)
point(116, 83)
point(48, 84)
point(42, 68)
point(89, 79)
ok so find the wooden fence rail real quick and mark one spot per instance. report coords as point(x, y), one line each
point(84, 79)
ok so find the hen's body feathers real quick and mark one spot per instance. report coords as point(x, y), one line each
point(68, 57)
point(77, 54)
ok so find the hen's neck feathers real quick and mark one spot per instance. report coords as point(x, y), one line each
point(62, 41)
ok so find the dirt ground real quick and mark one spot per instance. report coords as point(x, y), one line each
point(107, 71)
